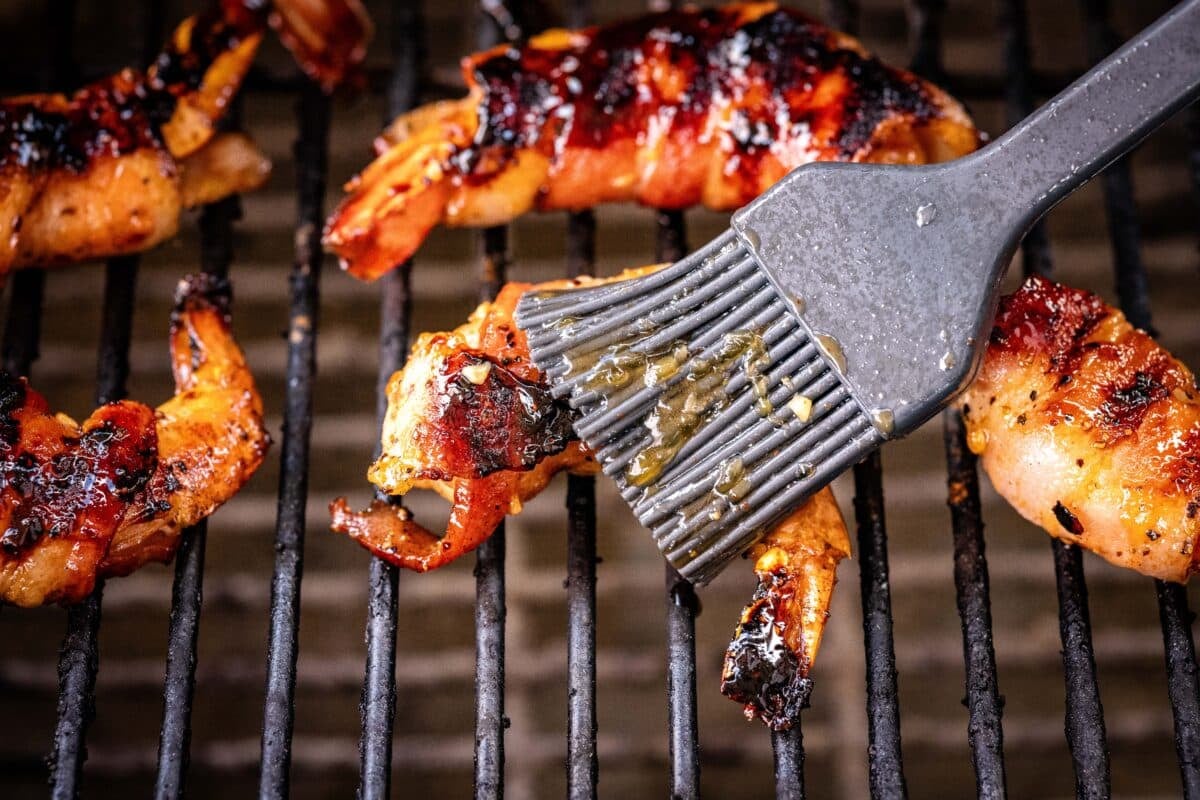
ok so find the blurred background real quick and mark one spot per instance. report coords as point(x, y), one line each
point(435, 643)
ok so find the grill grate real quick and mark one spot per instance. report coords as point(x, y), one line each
point(312, 144)
point(79, 657)
point(1084, 725)
point(490, 601)
point(379, 683)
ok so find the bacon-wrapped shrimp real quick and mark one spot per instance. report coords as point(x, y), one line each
point(670, 110)
point(1090, 429)
point(65, 490)
point(96, 173)
point(79, 502)
point(107, 169)
point(471, 418)
point(777, 639)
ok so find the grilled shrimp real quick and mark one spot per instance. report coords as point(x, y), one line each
point(96, 173)
point(65, 490)
point(471, 418)
point(777, 639)
point(78, 502)
point(670, 110)
point(1090, 429)
point(107, 169)
point(211, 436)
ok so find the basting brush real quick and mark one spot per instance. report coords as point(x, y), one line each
point(845, 307)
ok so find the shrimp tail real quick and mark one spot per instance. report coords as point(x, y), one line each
point(390, 532)
point(391, 207)
point(768, 661)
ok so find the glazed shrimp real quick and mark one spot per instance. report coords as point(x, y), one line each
point(471, 418)
point(1090, 429)
point(669, 110)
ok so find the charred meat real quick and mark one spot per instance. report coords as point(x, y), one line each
point(80, 502)
point(1090, 429)
point(670, 110)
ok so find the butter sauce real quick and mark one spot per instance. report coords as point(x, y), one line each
point(689, 404)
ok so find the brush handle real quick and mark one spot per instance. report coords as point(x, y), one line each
point(1097, 119)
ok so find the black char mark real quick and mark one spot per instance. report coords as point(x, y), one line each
point(1126, 407)
point(494, 420)
point(113, 117)
point(760, 671)
point(51, 495)
point(1068, 520)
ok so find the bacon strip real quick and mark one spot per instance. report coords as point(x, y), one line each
point(65, 490)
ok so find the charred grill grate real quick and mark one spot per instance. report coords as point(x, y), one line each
point(1084, 725)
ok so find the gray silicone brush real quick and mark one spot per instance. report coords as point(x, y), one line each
point(847, 305)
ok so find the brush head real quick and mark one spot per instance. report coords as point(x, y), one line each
point(703, 396)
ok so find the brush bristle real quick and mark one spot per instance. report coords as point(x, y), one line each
point(703, 396)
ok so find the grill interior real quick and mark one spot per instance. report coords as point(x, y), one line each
point(416, 672)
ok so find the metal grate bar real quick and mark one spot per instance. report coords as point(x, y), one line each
point(23, 328)
point(1085, 715)
point(984, 703)
point(216, 253)
point(311, 154)
point(670, 244)
point(1133, 291)
point(77, 665)
point(886, 772)
point(682, 607)
point(378, 703)
point(79, 657)
point(1084, 724)
point(495, 21)
point(886, 765)
point(80, 654)
point(788, 747)
point(1183, 681)
point(582, 763)
point(583, 769)
point(985, 733)
point(925, 38)
point(1133, 288)
point(179, 685)
point(490, 608)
